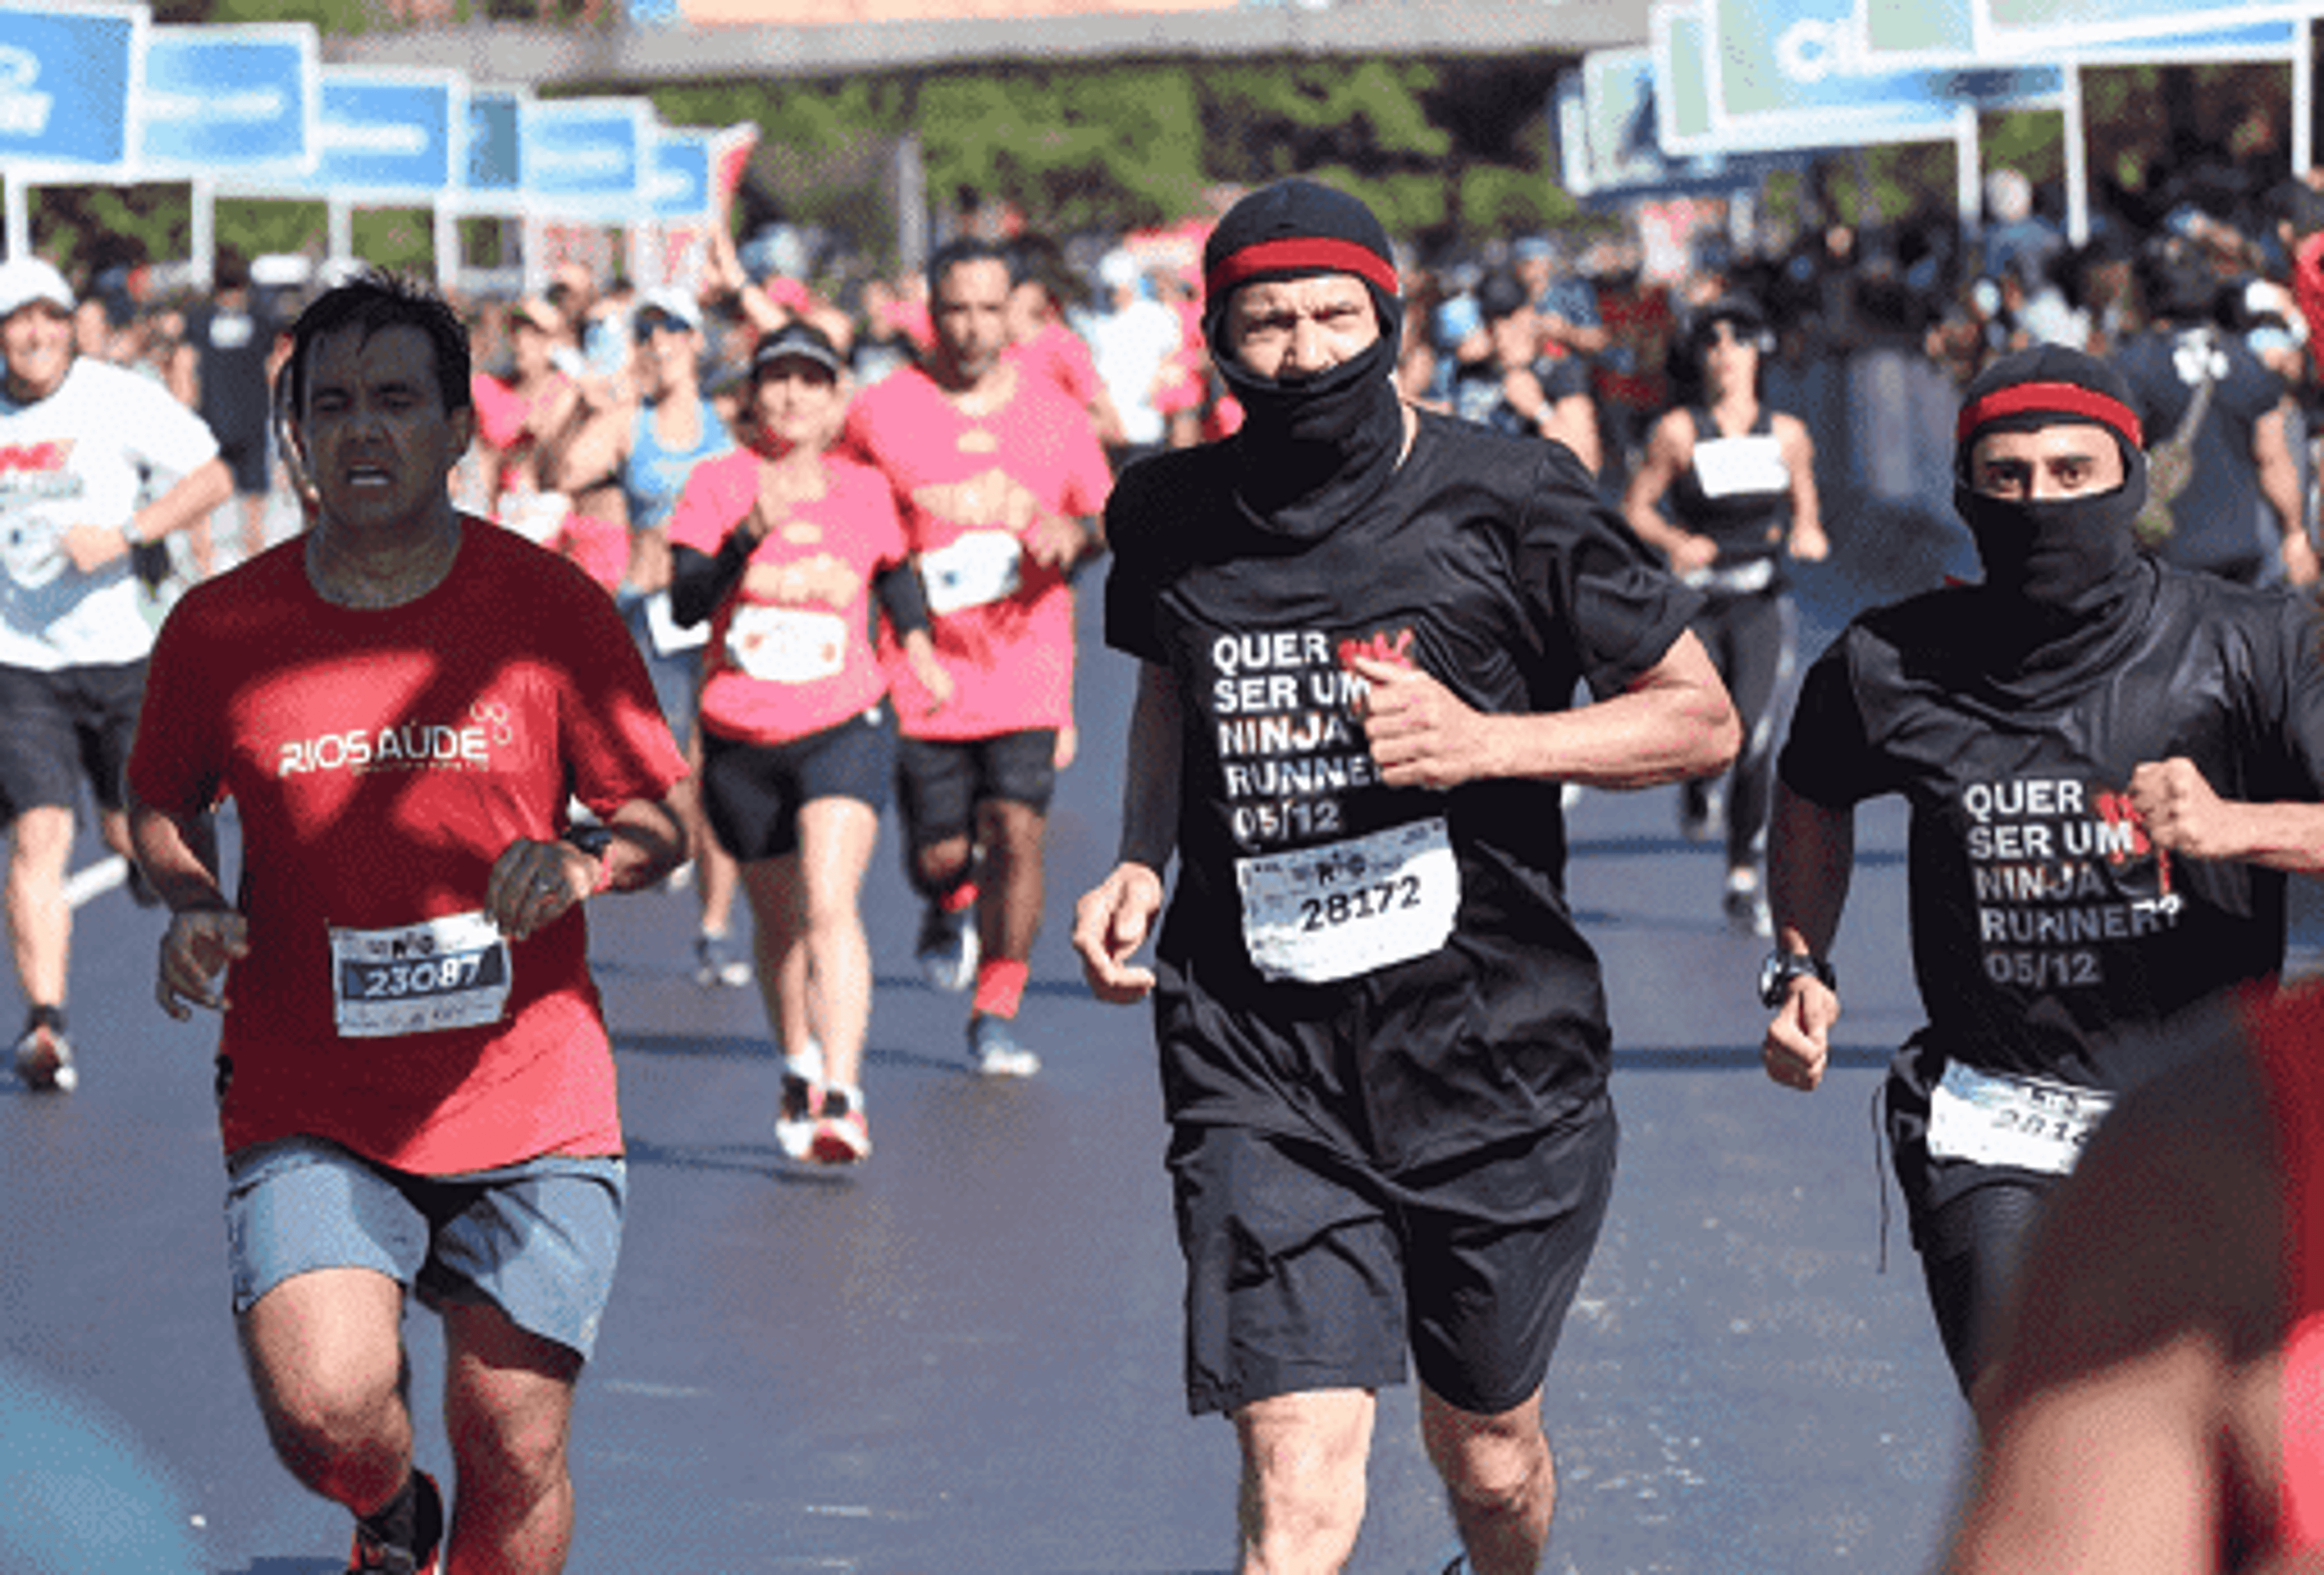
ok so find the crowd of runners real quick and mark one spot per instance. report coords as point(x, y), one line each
point(1405, 557)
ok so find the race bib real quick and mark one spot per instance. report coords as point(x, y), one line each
point(1730, 467)
point(786, 645)
point(978, 569)
point(449, 973)
point(2001, 1119)
point(535, 516)
point(1317, 915)
point(663, 627)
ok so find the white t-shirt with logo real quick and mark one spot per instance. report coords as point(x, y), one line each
point(87, 455)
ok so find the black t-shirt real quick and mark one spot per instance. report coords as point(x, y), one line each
point(233, 344)
point(1491, 564)
point(2217, 522)
point(2046, 929)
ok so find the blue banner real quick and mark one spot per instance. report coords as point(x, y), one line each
point(1782, 68)
point(68, 86)
point(1898, 33)
point(220, 100)
point(2014, 28)
point(588, 157)
point(391, 135)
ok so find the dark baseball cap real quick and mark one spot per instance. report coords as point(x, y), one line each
point(796, 341)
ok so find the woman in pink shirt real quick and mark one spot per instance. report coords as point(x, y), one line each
point(782, 545)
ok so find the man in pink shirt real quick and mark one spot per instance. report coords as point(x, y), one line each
point(998, 477)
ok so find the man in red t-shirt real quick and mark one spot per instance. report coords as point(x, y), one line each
point(998, 478)
point(416, 1087)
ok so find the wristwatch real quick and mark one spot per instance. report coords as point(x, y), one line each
point(1776, 974)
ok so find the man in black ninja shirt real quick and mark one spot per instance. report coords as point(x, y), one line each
point(2108, 763)
point(1383, 1041)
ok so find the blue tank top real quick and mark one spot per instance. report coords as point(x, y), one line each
point(653, 476)
point(1737, 491)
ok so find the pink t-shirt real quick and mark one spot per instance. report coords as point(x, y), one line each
point(790, 648)
point(1059, 357)
point(381, 761)
point(968, 491)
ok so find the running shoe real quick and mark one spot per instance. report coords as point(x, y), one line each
point(44, 1057)
point(1746, 904)
point(372, 1556)
point(716, 963)
point(841, 1136)
point(995, 1050)
point(947, 948)
point(796, 1116)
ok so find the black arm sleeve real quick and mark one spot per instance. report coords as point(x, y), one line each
point(699, 582)
point(900, 593)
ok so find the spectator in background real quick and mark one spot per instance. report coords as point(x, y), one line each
point(2012, 229)
point(1564, 304)
point(229, 342)
point(2243, 463)
point(1516, 391)
point(1133, 342)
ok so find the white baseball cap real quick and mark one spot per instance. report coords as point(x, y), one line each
point(25, 280)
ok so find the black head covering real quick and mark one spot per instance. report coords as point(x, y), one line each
point(1311, 450)
point(2067, 585)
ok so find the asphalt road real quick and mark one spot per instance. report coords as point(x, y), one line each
point(964, 1357)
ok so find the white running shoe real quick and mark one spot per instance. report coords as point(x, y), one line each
point(995, 1050)
point(947, 948)
point(44, 1058)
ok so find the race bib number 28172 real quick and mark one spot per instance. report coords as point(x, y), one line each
point(1321, 914)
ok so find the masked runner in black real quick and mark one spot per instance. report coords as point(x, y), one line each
point(2108, 761)
point(1383, 1041)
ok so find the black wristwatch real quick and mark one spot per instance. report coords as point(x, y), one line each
point(1776, 974)
point(591, 839)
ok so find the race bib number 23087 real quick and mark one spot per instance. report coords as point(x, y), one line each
point(450, 972)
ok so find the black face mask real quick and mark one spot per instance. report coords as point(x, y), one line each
point(1316, 448)
point(2063, 555)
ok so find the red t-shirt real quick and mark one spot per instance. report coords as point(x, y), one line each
point(968, 491)
point(790, 648)
point(381, 761)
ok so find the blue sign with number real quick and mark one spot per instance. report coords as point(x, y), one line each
point(67, 79)
point(1936, 33)
point(587, 155)
point(216, 99)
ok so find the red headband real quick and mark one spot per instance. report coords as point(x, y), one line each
point(2064, 398)
point(1302, 255)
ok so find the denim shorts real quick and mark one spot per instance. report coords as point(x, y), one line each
point(539, 1240)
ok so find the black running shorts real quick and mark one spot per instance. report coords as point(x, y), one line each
point(751, 792)
point(1306, 1271)
point(56, 728)
point(939, 782)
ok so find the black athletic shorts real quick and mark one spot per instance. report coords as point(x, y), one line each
point(56, 728)
point(940, 782)
point(751, 792)
point(1306, 1271)
point(1969, 1221)
point(245, 458)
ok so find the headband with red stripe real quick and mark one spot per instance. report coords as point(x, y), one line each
point(1301, 255)
point(2060, 399)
